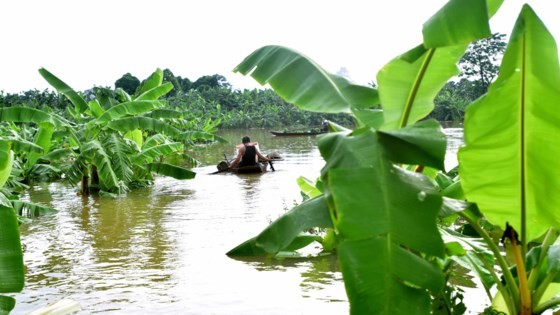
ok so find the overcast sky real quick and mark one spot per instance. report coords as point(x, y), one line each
point(90, 43)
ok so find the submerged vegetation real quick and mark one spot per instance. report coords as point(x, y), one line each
point(398, 222)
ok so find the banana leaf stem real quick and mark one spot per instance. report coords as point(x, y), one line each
point(511, 290)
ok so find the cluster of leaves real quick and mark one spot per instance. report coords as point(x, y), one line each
point(396, 220)
point(103, 140)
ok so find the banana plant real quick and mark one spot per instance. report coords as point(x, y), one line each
point(112, 132)
point(372, 200)
point(514, 129)
point(11, 256)
point(42, 126)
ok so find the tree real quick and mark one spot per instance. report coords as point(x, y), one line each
point(211, 81)
point(128, 82)
point(480, 63)
point(168, 76)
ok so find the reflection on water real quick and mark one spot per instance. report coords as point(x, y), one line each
point(162, 249)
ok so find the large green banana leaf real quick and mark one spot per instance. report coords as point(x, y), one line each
point(30, 209)
point(11, 257)
point(21, 145)
point(43, 139)
point(94, 152)
point(300, 81)
point(156, 92)
point(194, 135)
point(57, 154)
point(427, 136)
point(7, 304)
point(95, 107)
point(128, 109)
point(30, 115)
point(173, 171)
point(136, 136)
point(283, 231)
point(6, 161)
point(61, 87)
point(165, 113)
point(382, 214)
point(409, 83)
point(153, 81)
point(120, 153)
point(145, 123)
point(153, 152)
point(509, 165)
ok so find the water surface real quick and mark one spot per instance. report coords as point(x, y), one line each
point(162, 248)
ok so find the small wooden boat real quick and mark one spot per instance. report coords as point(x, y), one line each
point(298, 133)
point(261, 167)
point(253, 169)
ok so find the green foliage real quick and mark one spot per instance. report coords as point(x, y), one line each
point(384, 216)
point(523, 147)
point(128, 83)
point(481, 61)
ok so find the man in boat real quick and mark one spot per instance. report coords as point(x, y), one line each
point(248, 154)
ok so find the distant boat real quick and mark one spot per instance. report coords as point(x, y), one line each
point(297, 133)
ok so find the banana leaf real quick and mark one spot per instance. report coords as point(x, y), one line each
point(30, 209)
point(382, 214)
point(78, 101)
point(164, 113)
point(155, 92)
point(96, 108)
point(57, 154)
point(120, 153)
point(409, 83)
point(300, 81)
point(173, 171)
point(509, 166)
point(145, 123)
point(11, 256)
point(194, 135)
point(153, 152)
point(128, 109)
point(94, 152)
point(29, 115)
point(153, 81)
point(7, 304)
point(136, 136)
point(43, 139)
point(6, 162)
point(281, 233)
point(424, 143)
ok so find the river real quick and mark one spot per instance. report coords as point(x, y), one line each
point(161, 249)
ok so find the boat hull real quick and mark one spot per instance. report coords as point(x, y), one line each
point(280, 133)
point(259, 168)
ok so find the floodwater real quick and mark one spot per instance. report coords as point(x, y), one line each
point(161, 250)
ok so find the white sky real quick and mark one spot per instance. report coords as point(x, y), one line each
point(93, 43)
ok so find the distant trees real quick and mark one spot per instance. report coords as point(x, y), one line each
point(128, 83)
point(481, 63)
point(479, 67)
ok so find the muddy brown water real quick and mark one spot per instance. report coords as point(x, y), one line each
point(161, 249)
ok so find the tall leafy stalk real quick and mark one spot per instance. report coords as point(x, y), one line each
point(505, 169)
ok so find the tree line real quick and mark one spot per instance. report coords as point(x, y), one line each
point(212, 96)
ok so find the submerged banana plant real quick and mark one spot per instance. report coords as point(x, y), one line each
point(110, 142)
point(383, 216)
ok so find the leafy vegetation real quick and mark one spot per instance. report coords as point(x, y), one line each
point(399, 233)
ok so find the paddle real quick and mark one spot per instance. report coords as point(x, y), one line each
point(271, 167)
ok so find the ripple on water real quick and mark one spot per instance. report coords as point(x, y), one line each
point(162, 249)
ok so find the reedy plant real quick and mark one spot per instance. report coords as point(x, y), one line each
point(383, 217)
